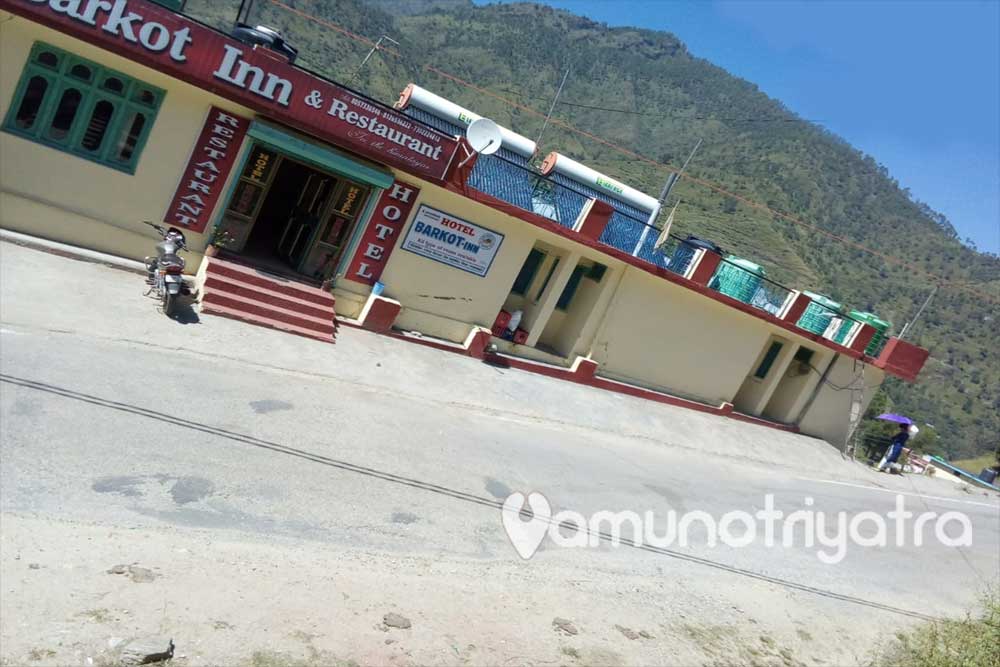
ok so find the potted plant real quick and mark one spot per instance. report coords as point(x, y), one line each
point(221, 239)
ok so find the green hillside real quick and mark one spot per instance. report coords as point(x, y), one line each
point(752, 146)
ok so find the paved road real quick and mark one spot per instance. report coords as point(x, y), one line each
point(113, 416)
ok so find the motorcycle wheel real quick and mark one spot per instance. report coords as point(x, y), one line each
point(169, 301)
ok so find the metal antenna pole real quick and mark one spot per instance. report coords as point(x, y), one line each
point(676, 176)
point(248, 4)
point(371, 52)
point(553, 107)
point(909, 325)
point(693, 151)
point(664, 193)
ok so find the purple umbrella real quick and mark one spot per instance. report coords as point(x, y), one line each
point(892, 417)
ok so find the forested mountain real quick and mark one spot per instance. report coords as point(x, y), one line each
point(657, 99)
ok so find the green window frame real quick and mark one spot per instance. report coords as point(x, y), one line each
point(768, 360)
point(82, 108)
point(529, 269)
point(571, 286)
point(803, 355)
point(548, 277)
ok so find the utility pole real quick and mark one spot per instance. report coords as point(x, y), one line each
point(553, 107)
point(909, 325)
point(857, 400)
point(376, 47)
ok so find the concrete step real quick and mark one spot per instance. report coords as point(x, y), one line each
point(242, 315)
point(248, 275)
point(219, 283)
point(252, 307)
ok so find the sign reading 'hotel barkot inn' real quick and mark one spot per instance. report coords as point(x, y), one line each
point(459, 243)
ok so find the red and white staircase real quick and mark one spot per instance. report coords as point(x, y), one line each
point(252, 295)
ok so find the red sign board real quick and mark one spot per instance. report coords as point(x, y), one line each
point(379, 239)
point(207, 170)
point(254, 77)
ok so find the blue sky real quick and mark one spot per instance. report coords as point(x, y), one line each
point(912, 83)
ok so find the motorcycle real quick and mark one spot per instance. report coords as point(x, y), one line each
point(165, 272)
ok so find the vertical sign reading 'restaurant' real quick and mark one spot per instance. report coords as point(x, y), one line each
point(207, 169)
point(380, 236)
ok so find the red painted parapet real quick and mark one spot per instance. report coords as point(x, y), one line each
point(902, 359)
point(476, 342)
point(461, 167)
point(863, 337)
point(596, 219)
point(706, 267)
point(798, 307)
point(584, 370)
point(379, 314)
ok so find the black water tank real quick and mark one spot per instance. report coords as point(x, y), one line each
point(264, 36)
point(704, 244)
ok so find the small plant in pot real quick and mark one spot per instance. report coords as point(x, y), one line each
point(221, 239)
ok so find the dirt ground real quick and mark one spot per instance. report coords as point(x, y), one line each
point(296, 603)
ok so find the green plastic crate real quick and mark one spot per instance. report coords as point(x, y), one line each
point(819, 313)
point(843, 331)
point(738, 278)
point(881, 329)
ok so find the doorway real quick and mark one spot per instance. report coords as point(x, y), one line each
point(295, 200)
point(287, 216)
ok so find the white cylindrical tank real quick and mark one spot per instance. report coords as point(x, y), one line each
point(446, 110)
point(586, 176)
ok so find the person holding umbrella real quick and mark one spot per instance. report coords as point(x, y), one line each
point(906, 426)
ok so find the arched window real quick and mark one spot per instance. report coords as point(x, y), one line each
point(146, 97)
point(97, 126)
point(81, 72)
point(131, 133)
point(48, 58)
point(114, 84)
point(31, 102)
point(65, 114)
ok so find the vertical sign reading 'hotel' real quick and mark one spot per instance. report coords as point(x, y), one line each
point(207, 169)
point(383, 229)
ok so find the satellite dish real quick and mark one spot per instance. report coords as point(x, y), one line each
point(484, 136)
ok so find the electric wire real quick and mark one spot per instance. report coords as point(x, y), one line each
point(661, 114)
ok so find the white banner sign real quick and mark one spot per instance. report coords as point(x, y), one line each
point(452, 241)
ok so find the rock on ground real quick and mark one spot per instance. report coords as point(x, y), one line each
point(564, 625)
point(394, 620)
point(144, 650)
